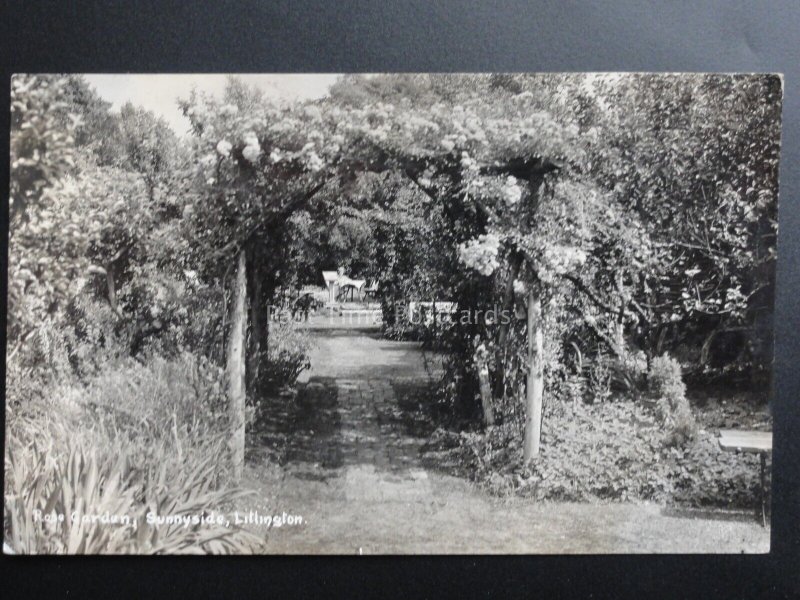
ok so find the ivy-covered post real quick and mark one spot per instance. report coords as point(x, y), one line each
point(259, 314)
point(535, 388)
point(236, 368)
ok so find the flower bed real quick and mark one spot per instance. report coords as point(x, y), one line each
point(608, 451)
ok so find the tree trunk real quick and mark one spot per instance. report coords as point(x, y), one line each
point(535, 391)
point(236, 368)
point(514, 264)
point(619, 322)
point(705, 349)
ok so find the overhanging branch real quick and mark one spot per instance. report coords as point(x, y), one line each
point(283, 212)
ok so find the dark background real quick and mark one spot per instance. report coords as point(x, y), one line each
point(439, 35)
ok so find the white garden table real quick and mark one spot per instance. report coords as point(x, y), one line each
point(760, 442)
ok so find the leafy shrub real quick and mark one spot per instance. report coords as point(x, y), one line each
point(600, 376)
point(187, 393)
point(283, 368)
point(708, 476)
point(683, 426)
point(289, 347)
point(611, 451)
point(92, 336)
point(666, 386)
point(631, 371)
point(23, 385)
point(665, 380)
point(396, 323)
point(175, 314)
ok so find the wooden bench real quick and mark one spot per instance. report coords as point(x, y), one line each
point(735, 440)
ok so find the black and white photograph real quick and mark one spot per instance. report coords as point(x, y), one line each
point(391, 313)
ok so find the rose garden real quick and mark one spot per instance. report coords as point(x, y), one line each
point(563, 287)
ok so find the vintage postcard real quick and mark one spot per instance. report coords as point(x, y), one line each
point(390, 313)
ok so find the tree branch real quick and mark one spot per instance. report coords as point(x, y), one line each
point(427, 190)
point(599, 332)
point(112, 293)
point(589, 294)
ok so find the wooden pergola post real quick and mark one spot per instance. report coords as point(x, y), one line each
point(535, 387)
point(236, 370)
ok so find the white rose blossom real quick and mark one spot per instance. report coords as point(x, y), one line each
point(224, 148)
point(315, 163)
point(252, 149)
point(481, 253)
point(512, 192)
point(561, 259)
point(251, 153)
point(468, 162)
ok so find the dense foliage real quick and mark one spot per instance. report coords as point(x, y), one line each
point(114, 393)
point(616, 451)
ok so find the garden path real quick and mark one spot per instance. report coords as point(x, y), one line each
point(348, 456)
